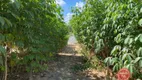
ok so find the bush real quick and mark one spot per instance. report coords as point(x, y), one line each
point(112, 30)
point(32, 30)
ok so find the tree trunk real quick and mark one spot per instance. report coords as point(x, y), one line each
point(31, 75)
point(5, 62)
point(5, 75)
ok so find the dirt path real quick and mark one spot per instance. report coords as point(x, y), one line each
point(61, 68)
point(66, 66)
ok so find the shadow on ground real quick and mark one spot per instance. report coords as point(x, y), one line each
point(68, 65)
point(62, 67)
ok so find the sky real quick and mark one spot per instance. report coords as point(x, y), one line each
point(66, 5)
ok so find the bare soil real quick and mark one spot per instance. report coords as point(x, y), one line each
point(61, 68)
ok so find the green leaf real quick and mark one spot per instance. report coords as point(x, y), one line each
point(2, 37)
point(17, 4)
point(128, 40)
point(140, 22)
point(141, 10)
point(139, 51)
point(16, 16)
point(125, 50)
point(140, 63)
point(2, 20)
point(2, 68)
point(2, 50)
point(115, 50)
point(31, 57)
point(1, 60)
point(116, 67)
point(140, 38)
point(129, 58)
point(124, 56)
point(8, 22)
point(114, 60)
point(137, 59)
point(9, 37)
point(19, 44)
point(131, 68)
point(125, 62)
point(118, 38)
point(108, 61)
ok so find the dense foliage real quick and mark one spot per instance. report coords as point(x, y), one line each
point(113, 29)
point(30, 32)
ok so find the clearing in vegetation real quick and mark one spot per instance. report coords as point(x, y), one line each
point(33, 39)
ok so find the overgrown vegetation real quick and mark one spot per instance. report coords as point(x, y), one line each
point(111, 30)
point(31, 31)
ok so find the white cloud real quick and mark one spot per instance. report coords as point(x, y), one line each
point(68, 17)
point(79, 4)
point(60, 2)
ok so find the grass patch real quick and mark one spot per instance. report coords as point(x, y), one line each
point(94, 62)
